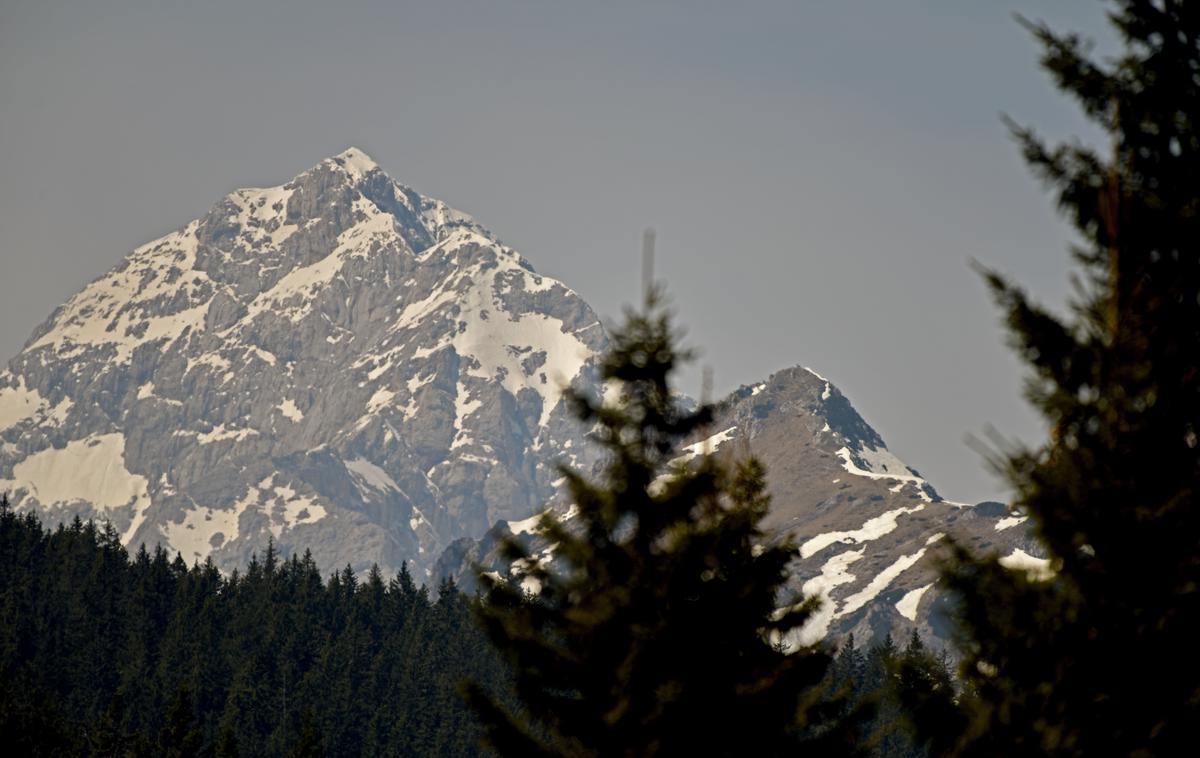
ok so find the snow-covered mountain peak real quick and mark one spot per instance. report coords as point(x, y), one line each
point(355, 162)
point(337, 362)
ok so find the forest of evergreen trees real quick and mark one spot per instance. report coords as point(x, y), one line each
point(103, 653)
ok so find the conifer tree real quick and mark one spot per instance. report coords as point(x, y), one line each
point(1101, 658)
point(103, 656)
point(310, 743)
point(227, 743)
point(923, 688)
point(653, 635)
point(179, 737)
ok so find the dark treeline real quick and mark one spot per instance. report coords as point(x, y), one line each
point(103, 653)
point(886, 695)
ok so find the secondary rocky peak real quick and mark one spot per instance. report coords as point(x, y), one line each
point(843, 430)
point(867, 526)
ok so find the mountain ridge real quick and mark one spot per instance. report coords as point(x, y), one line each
point(343, 364)
point(868, 528)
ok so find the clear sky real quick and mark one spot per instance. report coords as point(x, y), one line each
point(820, 174)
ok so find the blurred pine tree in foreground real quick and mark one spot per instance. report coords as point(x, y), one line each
point(1100, 659)
point(657, 630)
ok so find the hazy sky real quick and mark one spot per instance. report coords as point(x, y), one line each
point(820, 174)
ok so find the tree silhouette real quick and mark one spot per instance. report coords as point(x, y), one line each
point(1100, 659)
point(652, 634)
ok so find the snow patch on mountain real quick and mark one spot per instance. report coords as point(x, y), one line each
point(291, 411)
point(873, 463)
point(834, 573)
point(881, 580)
point(1009, 522)
point(287, 508)
point(531, 524)
point(91, 469)
point(356, 163)
point(877, 462)
point(18, 403)
point(706, 446)
point(1037, 569)
point(371, 479)
point(828, 391)
point(907, 605)
point(204, 528)
point(220, 433)
point(155, 296)
point(872, 529)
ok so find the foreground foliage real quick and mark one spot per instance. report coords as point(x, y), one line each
point(101, 654)
point(653, 632)
point(889, 695)
point(1100, 660)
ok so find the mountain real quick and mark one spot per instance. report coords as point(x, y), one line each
point(338, 363)
point(342, 364)
point(867, 525)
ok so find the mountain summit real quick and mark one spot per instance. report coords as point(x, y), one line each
point(338, 362)
point(866, 525)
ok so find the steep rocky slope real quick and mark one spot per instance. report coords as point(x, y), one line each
point(337, 362)
point(867, 526)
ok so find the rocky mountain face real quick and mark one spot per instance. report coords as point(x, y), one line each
point(343, 365)
point(867, 526)
point(338, 363)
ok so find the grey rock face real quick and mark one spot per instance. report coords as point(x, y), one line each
point(338, 363)
point(867, 526)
